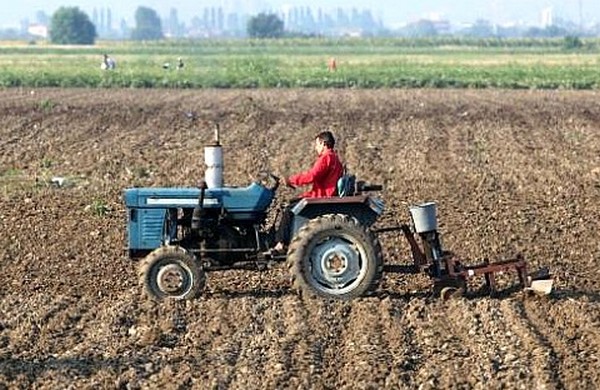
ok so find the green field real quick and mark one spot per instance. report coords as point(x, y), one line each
point(291, 63)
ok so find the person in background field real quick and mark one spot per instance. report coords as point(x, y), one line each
point(323, 176)
point(332, 64)
point(108, 63)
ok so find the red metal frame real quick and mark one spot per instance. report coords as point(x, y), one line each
point(456, 274)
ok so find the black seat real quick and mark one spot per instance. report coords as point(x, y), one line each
point(346, 185)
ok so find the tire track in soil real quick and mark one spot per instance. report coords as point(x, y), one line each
point(326, 327)
point(549, 342)
point(394, 355)
point(257, 341)
point(218, 340)
point(472, 337)
point(46, 330)
point(376, 349)
point(398, 331)
point(414, 353)
point(572, 338)
point(317, 353)
point(534, 347)
point(272, 348)
point(448, 340)
point(49, 320)
point(366, 357)
point(294, 362)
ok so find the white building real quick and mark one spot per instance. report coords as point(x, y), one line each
point(547, 17)
point(38, 30)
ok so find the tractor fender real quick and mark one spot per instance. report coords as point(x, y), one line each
point(364, 208)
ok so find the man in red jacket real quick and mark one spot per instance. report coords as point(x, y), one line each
point(323, 176)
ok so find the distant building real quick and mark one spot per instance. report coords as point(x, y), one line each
point(547, 17)
point(38, 30)
point(442, 26)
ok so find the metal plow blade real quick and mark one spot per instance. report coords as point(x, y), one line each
point(540, 282)
point(541, 287)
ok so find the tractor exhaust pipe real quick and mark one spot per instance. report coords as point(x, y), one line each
point(213, 159)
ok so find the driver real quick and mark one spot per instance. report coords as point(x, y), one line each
point(323, 176)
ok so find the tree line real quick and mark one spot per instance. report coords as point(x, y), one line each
point(70, 25)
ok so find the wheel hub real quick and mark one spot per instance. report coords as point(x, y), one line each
point(171, 278)
point(336, 264)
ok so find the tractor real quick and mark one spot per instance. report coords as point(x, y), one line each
point(183, 233)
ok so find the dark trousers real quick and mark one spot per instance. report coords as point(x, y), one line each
point(285, 224)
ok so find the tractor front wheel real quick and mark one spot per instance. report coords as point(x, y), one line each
point(170, 272)
point(334, 256)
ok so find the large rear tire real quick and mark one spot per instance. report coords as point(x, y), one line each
point(334, 256)
point(170, 272)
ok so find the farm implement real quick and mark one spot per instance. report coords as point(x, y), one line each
point(183, 233)
point(448, 272)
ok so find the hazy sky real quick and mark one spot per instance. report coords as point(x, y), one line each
point(391, 11)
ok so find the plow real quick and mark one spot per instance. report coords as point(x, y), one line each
point(181, 234)
point(449, 273)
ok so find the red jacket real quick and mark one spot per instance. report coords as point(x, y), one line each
point(324, 176)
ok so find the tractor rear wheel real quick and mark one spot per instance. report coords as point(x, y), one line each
point(170, 272)
point(334, 256)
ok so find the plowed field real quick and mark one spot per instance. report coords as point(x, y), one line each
point(512, 172)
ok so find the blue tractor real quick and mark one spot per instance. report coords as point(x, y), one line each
point(183, 233)
point(334, 251)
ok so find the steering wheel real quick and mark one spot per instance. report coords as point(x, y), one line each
point(268, 180)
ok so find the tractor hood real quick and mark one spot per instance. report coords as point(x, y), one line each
point(252, 198)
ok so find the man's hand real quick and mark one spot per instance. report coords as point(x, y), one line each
point(288, 184)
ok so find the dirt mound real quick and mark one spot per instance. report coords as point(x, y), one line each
point(512, 172)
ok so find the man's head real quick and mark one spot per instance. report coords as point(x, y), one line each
point(324, 140)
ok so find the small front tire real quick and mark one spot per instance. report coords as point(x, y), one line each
point(171, 272)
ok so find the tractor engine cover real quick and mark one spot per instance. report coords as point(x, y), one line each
point(148, 208)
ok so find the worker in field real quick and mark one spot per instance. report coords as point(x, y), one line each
point(332, 64)
point(323, 176)
point(108, 63)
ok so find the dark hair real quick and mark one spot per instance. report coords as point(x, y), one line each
point(327, 138)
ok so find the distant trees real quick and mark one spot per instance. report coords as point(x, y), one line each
point(147, 25)
point(480, 29)
point(265, 25)
point(547, 32)
point(572, 42)
point(70, 25)
point(421, 29)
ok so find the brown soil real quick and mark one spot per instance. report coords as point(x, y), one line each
point(512, 172)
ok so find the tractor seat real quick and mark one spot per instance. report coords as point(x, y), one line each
point(346, 185)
